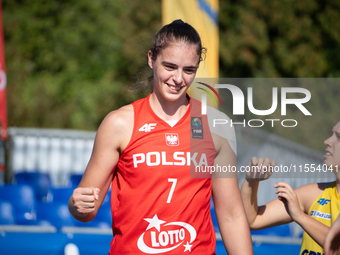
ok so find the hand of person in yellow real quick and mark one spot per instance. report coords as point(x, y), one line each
point(332, 240)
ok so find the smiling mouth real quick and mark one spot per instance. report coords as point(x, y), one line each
point(177, 88)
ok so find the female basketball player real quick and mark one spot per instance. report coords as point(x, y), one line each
point(313, 206)
point(143, 150)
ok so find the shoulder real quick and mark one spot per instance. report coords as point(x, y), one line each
point(314, 187)
point(118, 119)
point(117, 126)
point(221, 129)
point(309, 193)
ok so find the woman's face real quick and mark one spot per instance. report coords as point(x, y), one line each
point(174, 69)
point(332, 155)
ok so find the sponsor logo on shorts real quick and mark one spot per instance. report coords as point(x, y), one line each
point(161, 237)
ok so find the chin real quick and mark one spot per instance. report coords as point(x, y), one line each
point(175, 96)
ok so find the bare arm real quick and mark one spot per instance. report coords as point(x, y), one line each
point(229, 209)
point(299, 211)
point(270, 214)
point(332, 240)
point(112, 137)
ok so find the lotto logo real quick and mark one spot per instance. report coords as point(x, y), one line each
point(162, 237)
point(148, 127)
point(172, 139)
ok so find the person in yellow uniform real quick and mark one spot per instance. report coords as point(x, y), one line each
point(313, 206)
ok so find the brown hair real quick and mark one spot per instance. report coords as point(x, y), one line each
point(176, 31)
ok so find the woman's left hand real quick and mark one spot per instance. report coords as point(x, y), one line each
point(288, 196)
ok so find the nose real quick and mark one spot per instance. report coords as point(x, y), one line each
point(328, 141)
point(177, 77)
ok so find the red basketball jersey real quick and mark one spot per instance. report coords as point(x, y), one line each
point(157, 208)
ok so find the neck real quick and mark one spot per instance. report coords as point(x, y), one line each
point(169, 110)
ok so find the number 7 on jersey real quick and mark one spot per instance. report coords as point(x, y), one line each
point(174, 182)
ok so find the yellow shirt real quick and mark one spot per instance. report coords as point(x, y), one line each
point(325, 209)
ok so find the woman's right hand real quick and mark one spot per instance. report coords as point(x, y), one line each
point(83, 199)
point(260, 169)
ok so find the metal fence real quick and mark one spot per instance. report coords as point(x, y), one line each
point(57, 152)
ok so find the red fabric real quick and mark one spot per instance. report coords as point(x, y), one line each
point(149, 217)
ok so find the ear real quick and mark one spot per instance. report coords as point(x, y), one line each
point(150, 61)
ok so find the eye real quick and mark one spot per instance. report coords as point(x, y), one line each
point(337, 135)
point(169, 67)
point(190, 70)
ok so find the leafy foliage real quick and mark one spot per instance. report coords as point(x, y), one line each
point(70, 62)
point(279, 38)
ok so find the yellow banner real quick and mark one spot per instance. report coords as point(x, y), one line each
point(203, 16)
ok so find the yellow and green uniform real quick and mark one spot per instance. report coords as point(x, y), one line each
point(325, 209)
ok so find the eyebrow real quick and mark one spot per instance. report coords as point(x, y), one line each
point(168, 63)
point(172, 64)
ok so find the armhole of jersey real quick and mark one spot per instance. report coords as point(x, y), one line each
point(315, 201)
point(224, 131)
point(318, 197)
point(133, 131)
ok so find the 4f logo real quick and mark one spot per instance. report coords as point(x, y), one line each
point(323, 201)
point(148, 127)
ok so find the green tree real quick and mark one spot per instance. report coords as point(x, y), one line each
point(70, 62)
point(285, 38)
